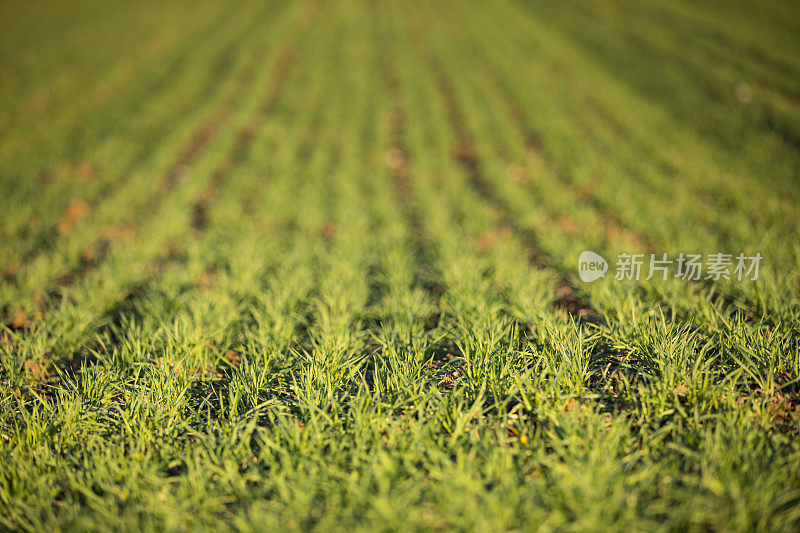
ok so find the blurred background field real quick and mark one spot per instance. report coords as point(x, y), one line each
point(310, 264)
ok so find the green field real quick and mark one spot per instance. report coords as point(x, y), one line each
point(315, 265)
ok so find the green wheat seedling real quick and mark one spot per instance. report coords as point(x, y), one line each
point(313, 265)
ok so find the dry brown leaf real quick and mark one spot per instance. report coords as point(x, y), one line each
point(567, 224)
point(18, 319)
point(328, 230)
point(76, 211)
point(516, 173)
point(34, 370)
point(10, 271)
point(485, 241)
point(85, 171)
